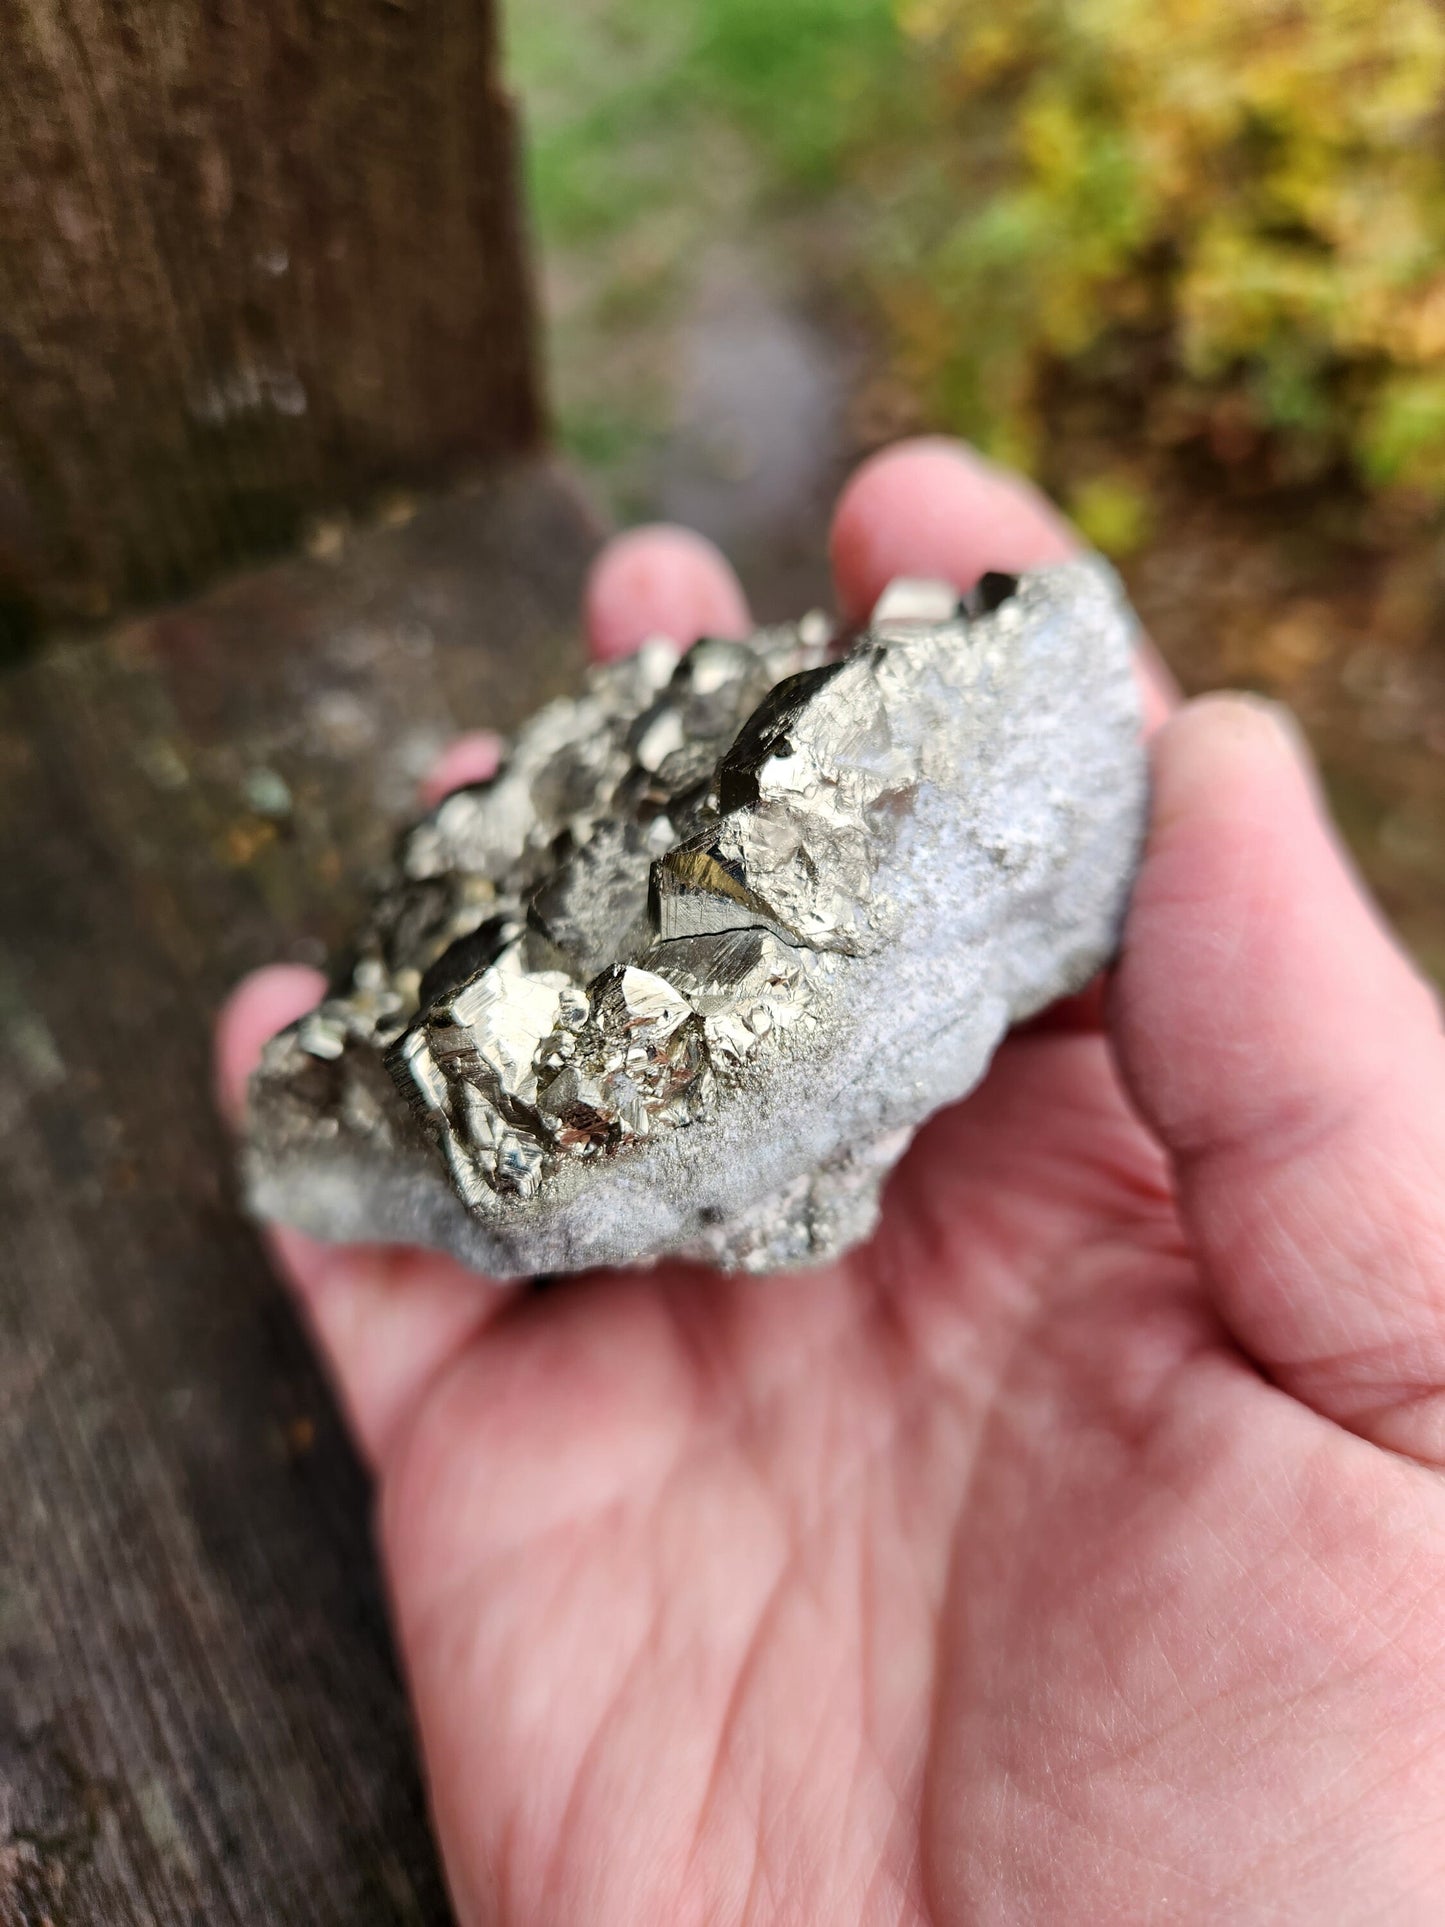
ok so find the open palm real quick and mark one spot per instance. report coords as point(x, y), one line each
point(1076, 1551)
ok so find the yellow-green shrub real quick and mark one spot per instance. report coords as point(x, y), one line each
point(1255, 188)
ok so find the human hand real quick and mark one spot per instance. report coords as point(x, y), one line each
point(1076, 1551)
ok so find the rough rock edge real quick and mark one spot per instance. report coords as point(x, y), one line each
point(1006, 891)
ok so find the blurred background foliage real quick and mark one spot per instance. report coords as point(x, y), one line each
point(1247, 200)
point(1182, 260)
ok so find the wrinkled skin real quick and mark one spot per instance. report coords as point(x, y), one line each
point(1075, 1552)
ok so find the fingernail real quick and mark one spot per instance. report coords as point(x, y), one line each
point(1282, 720)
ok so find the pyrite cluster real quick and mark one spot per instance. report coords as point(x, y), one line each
point(687, 973)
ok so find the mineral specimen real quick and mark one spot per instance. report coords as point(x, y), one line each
point(685, 976)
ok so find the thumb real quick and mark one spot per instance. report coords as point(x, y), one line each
point(1290, 1060)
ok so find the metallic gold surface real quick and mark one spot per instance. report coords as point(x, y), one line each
point(696, 898)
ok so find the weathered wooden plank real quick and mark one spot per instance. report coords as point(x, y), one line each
point(254, 261)
point(199, 1716)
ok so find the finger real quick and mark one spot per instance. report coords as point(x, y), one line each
point(1084, 1011)
point(1290, 1060)
point(259, 1006)
point(934, 508)
point(474, 758)
point(387, 1320)
point(660, 581)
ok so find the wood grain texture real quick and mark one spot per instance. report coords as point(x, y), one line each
point(255, 261)
point(200, 1719)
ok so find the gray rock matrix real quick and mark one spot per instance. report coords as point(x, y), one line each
point(686, 976)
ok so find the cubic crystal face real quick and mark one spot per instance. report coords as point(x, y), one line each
point(724, 929)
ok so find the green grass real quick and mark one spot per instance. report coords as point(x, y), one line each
point(600, 113)
point(653, 130)
point(804, 77)
point(616, 94)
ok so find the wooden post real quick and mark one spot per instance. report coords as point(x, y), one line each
point(255, 261)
